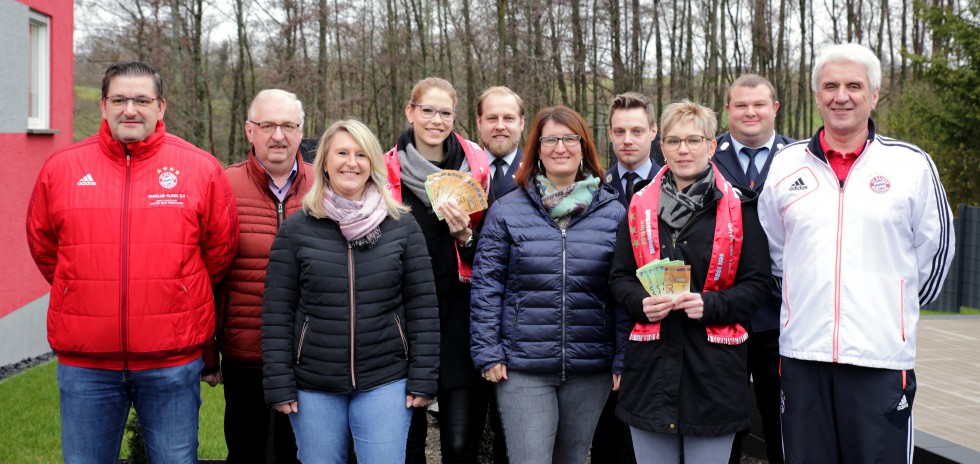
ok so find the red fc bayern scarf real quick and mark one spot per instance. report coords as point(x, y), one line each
point(725, 250)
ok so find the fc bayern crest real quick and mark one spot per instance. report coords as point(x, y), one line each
point(168, 177)
point(880, 184)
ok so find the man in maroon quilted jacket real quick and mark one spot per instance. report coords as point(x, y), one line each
point(268, 186)
point(131, 227)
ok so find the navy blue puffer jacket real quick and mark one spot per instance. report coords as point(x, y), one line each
point(540, 298)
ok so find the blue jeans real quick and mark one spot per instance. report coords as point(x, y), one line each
point(549, 421)
point(378, 420)
point(95, 405)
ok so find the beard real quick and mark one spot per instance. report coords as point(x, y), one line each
point(500, 149)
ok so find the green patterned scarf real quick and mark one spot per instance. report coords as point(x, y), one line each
point(564, 203)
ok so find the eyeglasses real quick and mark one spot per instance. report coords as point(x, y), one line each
point(569, 140)
point(693, 142)
point(119, 102)
point(429, 112)
point(270, 127)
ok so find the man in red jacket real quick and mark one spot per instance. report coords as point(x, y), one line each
point(131, 227)
point(269, 186)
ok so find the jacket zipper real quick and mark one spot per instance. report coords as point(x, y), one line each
point(279, 215)
point(563, 289)
point(302, 338)
point(837, 263)
point(401, 334)
point(123, 306)
point(350, 273)
point(835, 357)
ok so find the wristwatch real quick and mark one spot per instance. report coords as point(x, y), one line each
point(469, 241)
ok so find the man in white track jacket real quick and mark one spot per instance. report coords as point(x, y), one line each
point(861, 236)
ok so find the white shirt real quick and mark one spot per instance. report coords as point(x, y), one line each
point(508, 160)
point(643, 171)
point(760, 157)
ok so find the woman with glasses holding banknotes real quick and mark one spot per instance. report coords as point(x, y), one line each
point(430, 145)
point(542, 314)
point(683, 383)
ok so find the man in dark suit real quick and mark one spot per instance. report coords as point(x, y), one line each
point(743, 157)
point(632, 129)
point(500, 123)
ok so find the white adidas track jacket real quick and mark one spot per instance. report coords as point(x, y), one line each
point(856, 262)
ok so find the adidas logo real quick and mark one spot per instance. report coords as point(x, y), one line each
point(87, 180)
point(903, 404)
point(798, 185)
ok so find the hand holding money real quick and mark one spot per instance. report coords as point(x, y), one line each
point(656, 308)
point(692, 304)
point(455, 187)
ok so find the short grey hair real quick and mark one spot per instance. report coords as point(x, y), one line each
point(289, 95)
point(850, 53)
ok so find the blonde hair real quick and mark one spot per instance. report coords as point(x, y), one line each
point(687, 111)
point(313, 200)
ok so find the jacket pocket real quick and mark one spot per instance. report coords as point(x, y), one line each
point(901, 306)
point(302, 338)
point(515, 326)
point(401, 334)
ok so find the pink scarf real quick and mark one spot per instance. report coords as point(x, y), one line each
point(359, 221)
point(725, 249)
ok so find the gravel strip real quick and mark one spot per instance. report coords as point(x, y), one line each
point(16, 368)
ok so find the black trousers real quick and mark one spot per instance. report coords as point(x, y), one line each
point(254, 433)
point(763, 367)
point(612, 442)
point(841, 413)
point(462, 416)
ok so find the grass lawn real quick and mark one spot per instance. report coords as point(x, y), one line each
point(30, 424)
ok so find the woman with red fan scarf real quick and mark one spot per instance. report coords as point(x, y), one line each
point(430, 145)
point(683, 385)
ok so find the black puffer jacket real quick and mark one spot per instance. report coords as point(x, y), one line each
point(317, 336)
point(683, 383)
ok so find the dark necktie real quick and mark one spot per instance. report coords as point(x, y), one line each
point(630, 184)
point(751, 172)
point(498, 175)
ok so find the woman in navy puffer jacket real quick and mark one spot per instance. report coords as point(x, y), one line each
point(542, 320)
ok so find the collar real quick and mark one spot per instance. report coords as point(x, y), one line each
point(118, 151)
point(830, 152)
point(292, 174)
point(737, 146)
point(815, 146)
point(643, 170)
point(508, 160)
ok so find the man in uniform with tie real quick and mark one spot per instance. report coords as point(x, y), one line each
point(743, 157)
point(500, 123)
point(632, 128)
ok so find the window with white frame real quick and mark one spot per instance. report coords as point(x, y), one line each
point(39, 98)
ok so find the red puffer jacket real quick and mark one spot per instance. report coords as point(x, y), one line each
point(239, 297)
point(131, 238)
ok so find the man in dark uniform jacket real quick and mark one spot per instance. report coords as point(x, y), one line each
point(632, 131)
point(500, 123)
point(743, 157)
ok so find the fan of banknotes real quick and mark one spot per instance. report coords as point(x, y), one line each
point(456, 187)
point(665, 278)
